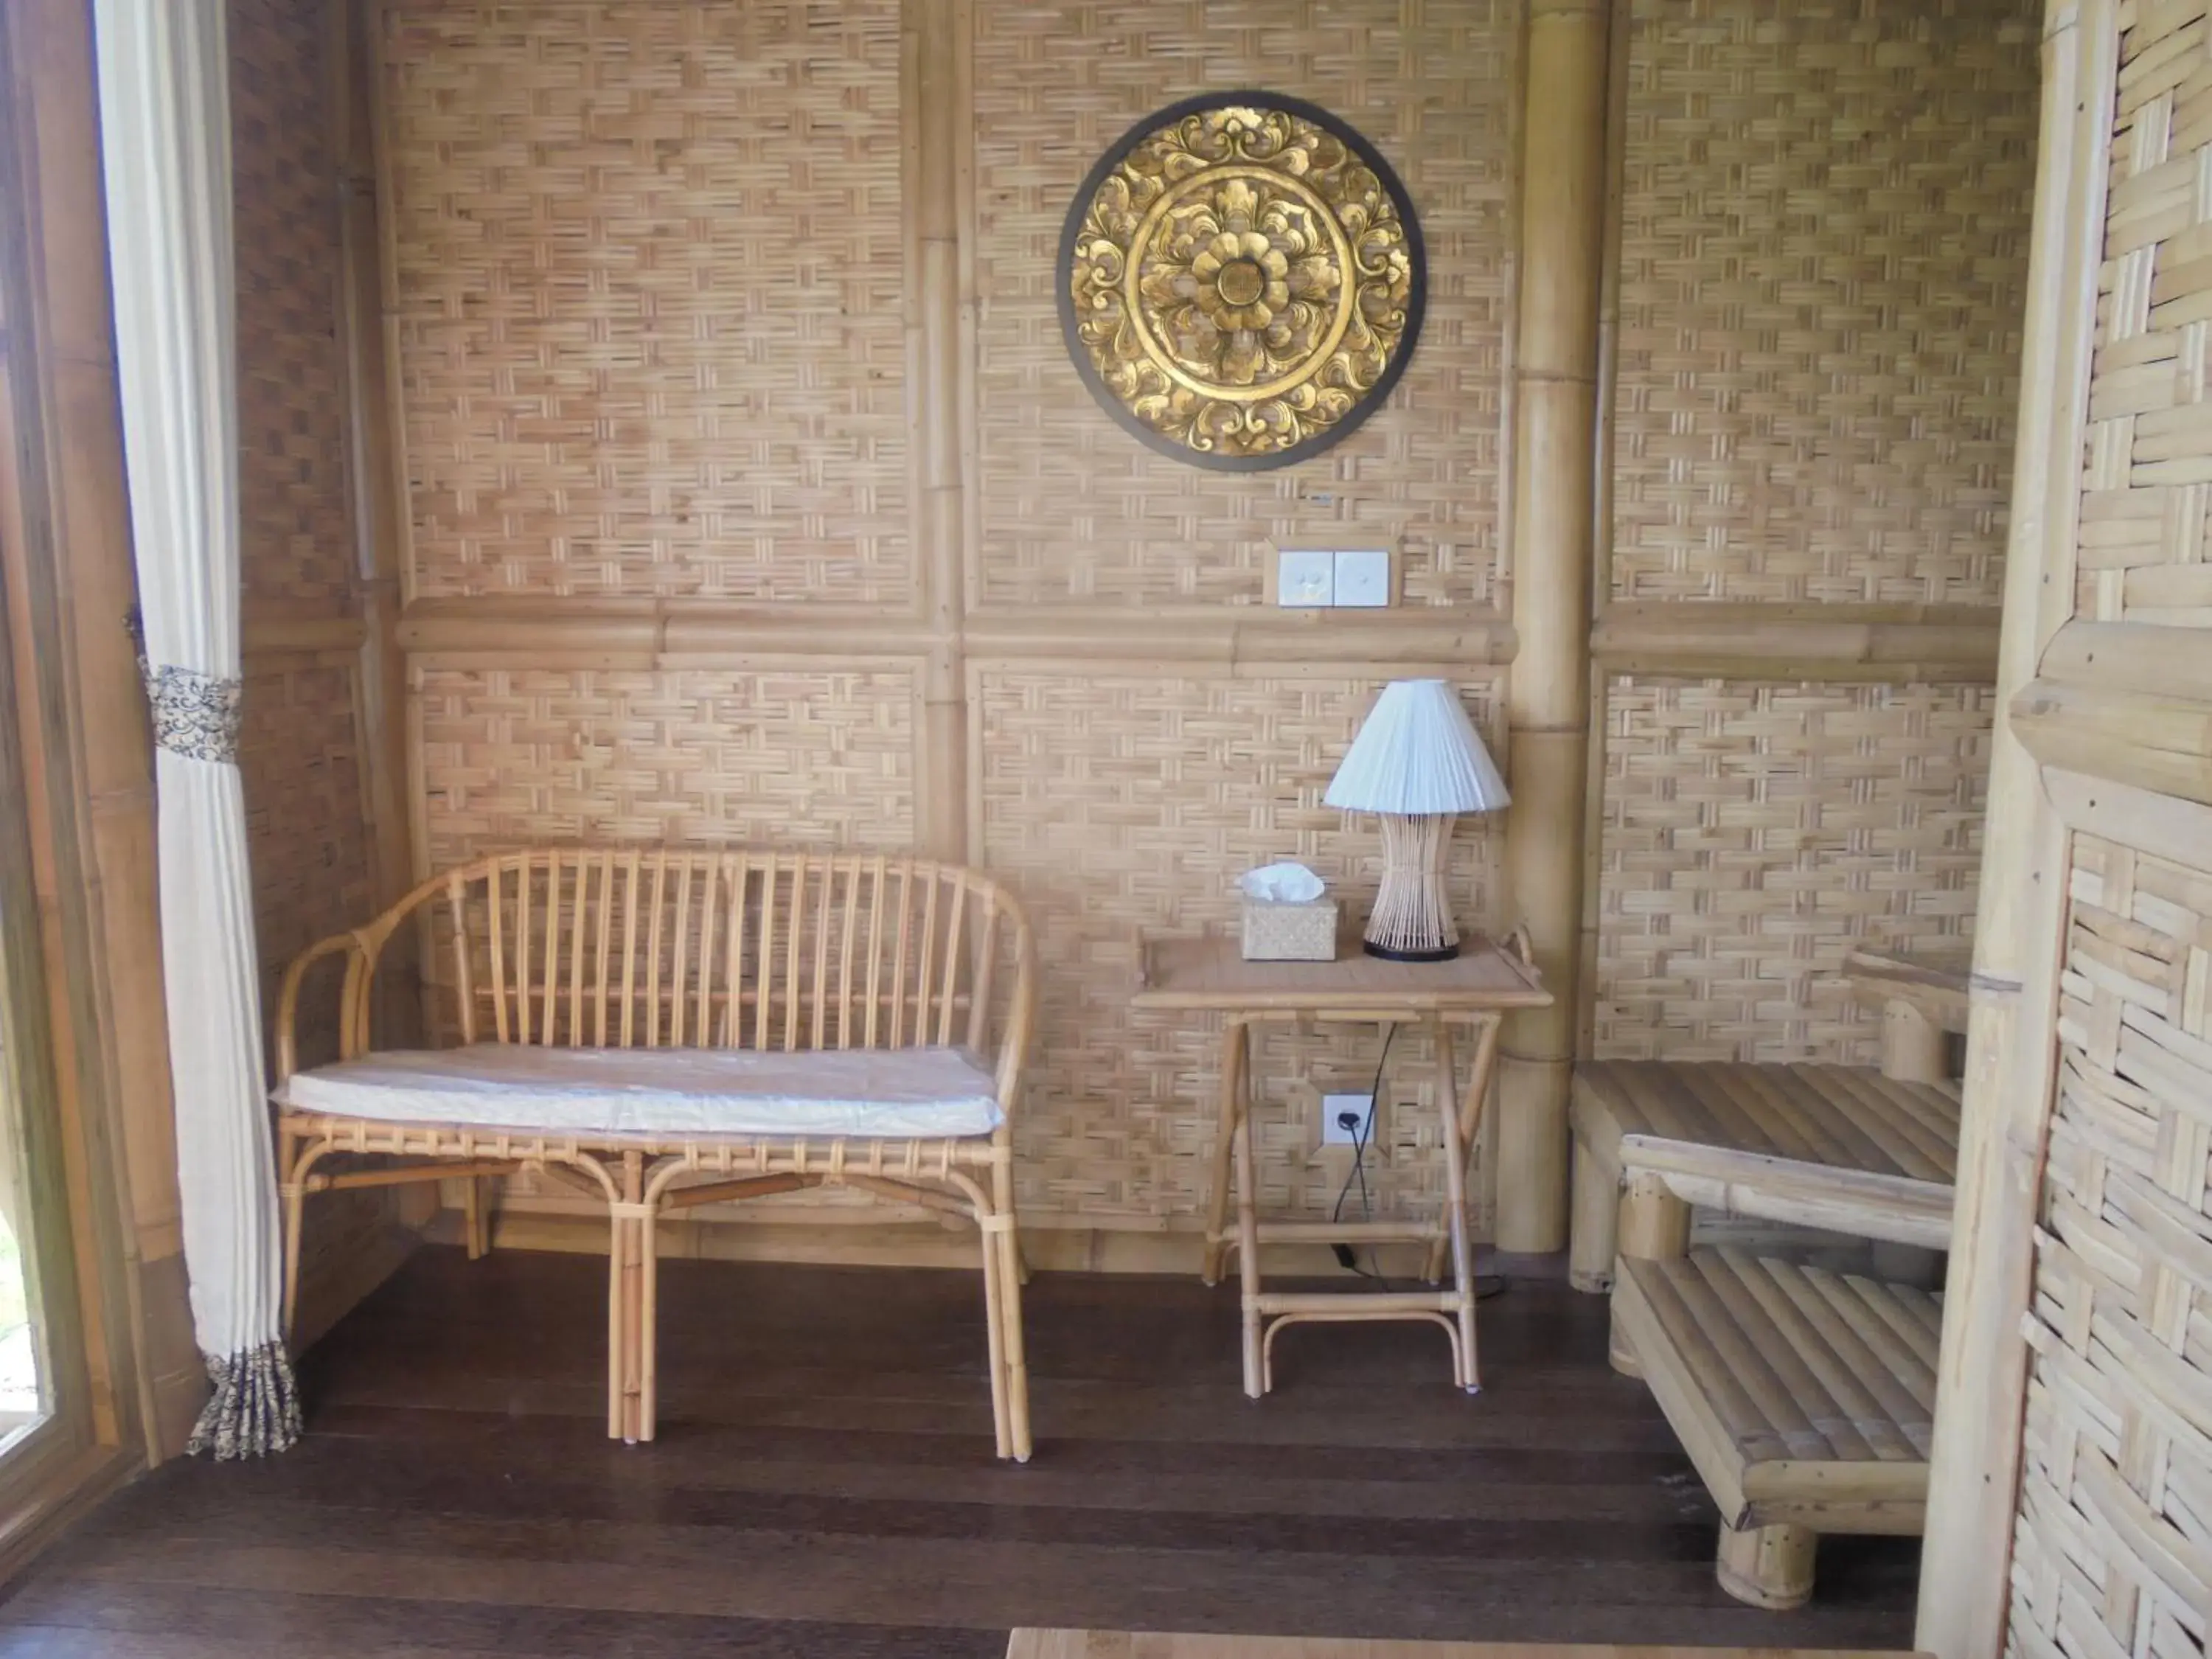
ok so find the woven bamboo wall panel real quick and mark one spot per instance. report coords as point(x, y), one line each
point(1122, 807)
point(1755, 833)
point(650, 267)
point(296, 542)
point(712, 756)
point(1072, 509)
point(2148, 458)
point(1823, 267)
point(299, 760)
point(2117, 1473)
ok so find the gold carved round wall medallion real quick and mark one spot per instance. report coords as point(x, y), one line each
point(1240, 280)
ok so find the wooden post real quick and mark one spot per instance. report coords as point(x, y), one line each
point(1982, 1378)
point(936, 105)
point(1562, 194)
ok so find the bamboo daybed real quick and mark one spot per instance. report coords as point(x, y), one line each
point(659, 1029)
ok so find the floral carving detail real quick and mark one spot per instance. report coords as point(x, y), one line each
point(1239, 283)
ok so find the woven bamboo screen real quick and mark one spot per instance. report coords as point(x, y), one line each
point(2110, 1550)
point(1177, 786)
point(300, 755)
point(812, 756)
point(1822, 269)
point(649, 262)
point(1756, 833)
point(1071, 508)
point(2116, 1484)
point(2141, 555)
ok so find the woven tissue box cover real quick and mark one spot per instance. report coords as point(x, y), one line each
point(1279, 932)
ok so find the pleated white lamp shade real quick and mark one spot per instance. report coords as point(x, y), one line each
point(1418, 755)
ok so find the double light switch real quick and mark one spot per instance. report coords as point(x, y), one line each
point(1314, 579)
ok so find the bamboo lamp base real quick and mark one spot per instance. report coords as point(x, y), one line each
point(1412, 919)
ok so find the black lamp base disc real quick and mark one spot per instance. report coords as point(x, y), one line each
point(1441, 953)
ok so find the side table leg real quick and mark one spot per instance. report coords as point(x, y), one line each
point(1455, 1190)
point(1239, 1061)
point(1225, 1147)
point(1470, 1120)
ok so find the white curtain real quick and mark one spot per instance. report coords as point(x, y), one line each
point(165, 136)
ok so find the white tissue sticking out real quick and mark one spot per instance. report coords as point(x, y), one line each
point(1281, 884)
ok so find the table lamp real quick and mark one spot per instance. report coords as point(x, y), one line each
point(1417, 762)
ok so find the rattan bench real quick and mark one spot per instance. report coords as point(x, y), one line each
point(1838, 1147)
point(1804, 1397)
point(659, 1029)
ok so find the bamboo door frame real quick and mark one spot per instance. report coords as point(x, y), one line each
point(79, 931)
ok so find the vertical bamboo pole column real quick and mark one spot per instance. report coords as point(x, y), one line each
point(376, 485)
point(934, 71)
point(1982, 1374)
point(1562, 193)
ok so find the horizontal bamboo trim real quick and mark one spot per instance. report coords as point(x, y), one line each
point(1754, 641)
point(603, 633)
point(269, 636)
point(2121, 656)
point(2163, 744)
point(1797, 641)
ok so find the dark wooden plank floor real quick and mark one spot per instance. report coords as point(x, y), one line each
point(824, 1485)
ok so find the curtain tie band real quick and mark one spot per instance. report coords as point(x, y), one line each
point(195, 715)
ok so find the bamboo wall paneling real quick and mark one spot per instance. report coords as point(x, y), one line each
point(660, 349)
point(310, 761)
point(1754, 834)
point(1562, 199)
point(1071, 509)
point(1804, 411)
point(1139, 828)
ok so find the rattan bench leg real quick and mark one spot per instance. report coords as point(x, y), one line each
point(1012, 1278)
point(994, 1332)
point(1766, 1566)
point(1594, 1238)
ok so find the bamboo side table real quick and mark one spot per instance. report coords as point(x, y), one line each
point(1476, 989)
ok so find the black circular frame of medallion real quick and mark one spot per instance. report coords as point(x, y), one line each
point(1369, 395)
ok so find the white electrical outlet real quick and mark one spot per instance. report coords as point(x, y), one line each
point(1303, 579)
point(1337, 1111)
point(1363, 578)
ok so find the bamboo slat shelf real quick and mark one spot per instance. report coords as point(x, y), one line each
point(1805, 1400)
point(1476, 989)
point(1839, 1147)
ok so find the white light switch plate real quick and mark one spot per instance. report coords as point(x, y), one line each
point(1303, 579)
point(1363, 578)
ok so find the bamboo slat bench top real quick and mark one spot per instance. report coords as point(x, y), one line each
point(1836, 1146)
point(1804, 1397)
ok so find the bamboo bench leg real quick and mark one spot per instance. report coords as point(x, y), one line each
point(1012, 1276)
point(1654, 1223)
point(1594, 1238)
point(1767, 1566)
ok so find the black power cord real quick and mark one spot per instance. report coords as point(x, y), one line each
point(1360, 1136)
